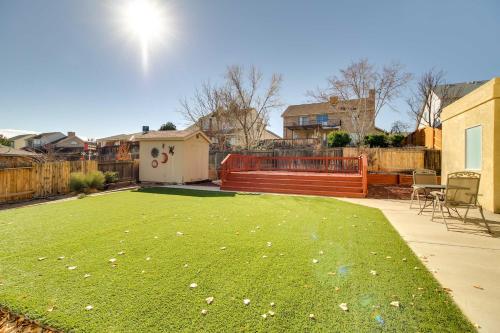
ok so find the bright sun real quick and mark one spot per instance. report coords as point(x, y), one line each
point(145, 21)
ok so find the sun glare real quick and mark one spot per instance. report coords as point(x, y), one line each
point(145, 21)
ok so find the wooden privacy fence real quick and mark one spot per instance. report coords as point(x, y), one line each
point(379, 159)
point(127, 170)
point(40, 179)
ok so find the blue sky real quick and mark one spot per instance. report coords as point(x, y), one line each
point(67, 65)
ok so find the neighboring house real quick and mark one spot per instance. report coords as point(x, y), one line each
point(40, 141)
point(471, 140)
point(116, 140)
point(229, 132)
point(316, 120)
point(56, 145)
point(20, 141)
point(118, 147)
point(12, 158)
point(441, 97)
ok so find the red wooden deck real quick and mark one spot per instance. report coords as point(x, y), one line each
point(325, 176)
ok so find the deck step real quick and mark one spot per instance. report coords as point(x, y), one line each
point(344, 187)
point(295, 191)
point(307, 183)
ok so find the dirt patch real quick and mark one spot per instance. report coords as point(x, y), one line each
point(12, 323)
point(400, 192)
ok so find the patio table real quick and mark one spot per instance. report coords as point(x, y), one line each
point(427, 189)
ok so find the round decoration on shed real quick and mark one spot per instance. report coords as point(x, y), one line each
point(155, 152)
point(154, 163)
point(165, 158)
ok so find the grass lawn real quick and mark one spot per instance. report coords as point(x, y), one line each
point(224, 249)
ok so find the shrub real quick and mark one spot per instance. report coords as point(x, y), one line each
point(77, 182)
point(111, 177)
point(397, 140)
point(338, 139)
point(377, 140)
point(94, 180)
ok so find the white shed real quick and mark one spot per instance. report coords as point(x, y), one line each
point(173, 156)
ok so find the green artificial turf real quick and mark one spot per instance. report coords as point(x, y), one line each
point(140, 295)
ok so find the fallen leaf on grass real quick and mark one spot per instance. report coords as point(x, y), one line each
point(332, 273)
point(121, 253)
point(372, 272)
point(269, 244)
point(89, 307)
point(264, 315)
point(395, 304)
point(272, 304)
point(42, 258)
point(148, 258)
point(448, 290)
point(337, 288)
point(193, 285)
point(179, 233)
point(271, 313)
point(126, 231)
point(388, 257)
point(112, 260)
point(312, 316)
point(51, 308)
point(71, 268)
point(86, 276)
point(246, 301)
point(60, 258)
point(343, 306)
point(223, 248)
point(204, 312)
point(321, 252)
point(209, 300)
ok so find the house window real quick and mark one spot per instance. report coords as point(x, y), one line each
point(473, 147)
point(322, 119)
point(303, 120)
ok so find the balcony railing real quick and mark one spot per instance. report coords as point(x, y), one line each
point(297, 124)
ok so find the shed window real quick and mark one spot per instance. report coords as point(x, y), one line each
point(473, 147)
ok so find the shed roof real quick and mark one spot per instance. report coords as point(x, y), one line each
point(170, 135)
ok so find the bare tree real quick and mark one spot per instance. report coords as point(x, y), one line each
point(357, 85)
point(428, 99)
point(249, 103)
point(240, 104)
point(399, 127)
point(206, 110)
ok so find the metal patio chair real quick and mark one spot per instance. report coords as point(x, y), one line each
point(461, 192)
point(422, 177)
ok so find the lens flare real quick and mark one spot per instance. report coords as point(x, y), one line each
point(145, 21)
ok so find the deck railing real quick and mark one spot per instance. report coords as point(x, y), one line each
point(345, 165)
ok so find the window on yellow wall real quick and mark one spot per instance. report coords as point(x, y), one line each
point(473, 147)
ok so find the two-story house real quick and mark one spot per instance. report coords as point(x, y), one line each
point(316, 120)
point(226, 131)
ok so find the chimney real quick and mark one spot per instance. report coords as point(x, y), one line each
point(371, 94)
point(145, 129)
point(334, 100)
point(71, 134)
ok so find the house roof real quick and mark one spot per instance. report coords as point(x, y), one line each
point(170, 135)
point(273, 134)
point(455, 91)
point(120, 137)
point(312, 108)
point(41, 135)
point(9, 151)
point(21, 136)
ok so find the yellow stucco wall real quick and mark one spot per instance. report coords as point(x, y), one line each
point(188, 163)
point(480, 107)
